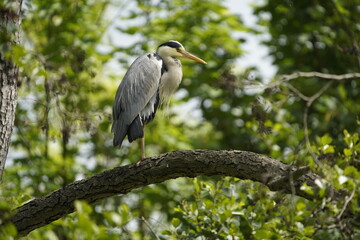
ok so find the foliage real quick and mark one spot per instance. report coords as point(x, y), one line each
point(247, 210)
point(63, 118)
point(316, 36)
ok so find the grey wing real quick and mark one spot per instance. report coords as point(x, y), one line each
point(139, 85)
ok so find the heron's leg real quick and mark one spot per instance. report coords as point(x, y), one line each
point(142, 145)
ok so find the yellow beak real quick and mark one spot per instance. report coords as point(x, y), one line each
point(190, 56)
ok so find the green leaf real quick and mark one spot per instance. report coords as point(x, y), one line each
point(306, 188)
point(197, 185)
point(328, 149)
point(325, 140)
point(352, 172)
point(309, 230)
point(175, 222)
point(245, 227)
point(166, 232)
point(347, 152)
point(300, 206)
point(263, 234)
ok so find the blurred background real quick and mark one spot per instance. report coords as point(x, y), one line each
point(73, 56)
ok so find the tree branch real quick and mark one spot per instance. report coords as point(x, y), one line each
point(121, 180)
point(254, 85)
point(320, 75)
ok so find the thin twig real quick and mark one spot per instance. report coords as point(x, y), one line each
point(150, 228)
point(297, 92)
point(309, 102)
point(347, 201)
point(306, 132)
point(319, 93)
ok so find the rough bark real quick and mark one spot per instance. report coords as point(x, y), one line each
point(121, 180)
point(9, 30)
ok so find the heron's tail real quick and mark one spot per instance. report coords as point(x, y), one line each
point(120, 130)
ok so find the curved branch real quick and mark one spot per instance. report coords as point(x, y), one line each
point(121, 180)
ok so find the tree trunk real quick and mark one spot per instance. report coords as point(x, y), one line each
point(10, 35)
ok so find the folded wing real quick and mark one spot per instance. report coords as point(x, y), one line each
point(137, 89)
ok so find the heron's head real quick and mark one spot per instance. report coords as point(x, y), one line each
point(175, 49)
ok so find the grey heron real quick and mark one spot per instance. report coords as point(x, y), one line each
point(151, 79)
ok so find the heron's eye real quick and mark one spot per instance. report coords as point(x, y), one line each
point(178, 50)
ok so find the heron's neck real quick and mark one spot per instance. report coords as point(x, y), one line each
point(171, 61)
point(171, 78)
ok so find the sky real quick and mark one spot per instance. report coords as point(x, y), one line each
point(255, 53)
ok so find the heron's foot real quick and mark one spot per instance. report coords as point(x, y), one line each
point(141, 159)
